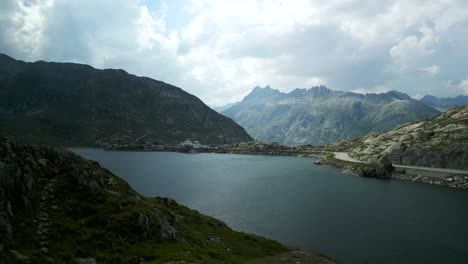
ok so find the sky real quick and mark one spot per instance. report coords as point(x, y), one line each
point(219, 50)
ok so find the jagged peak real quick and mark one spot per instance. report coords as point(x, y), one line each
point(428, 97)
point(264, 90)
point(399, 95)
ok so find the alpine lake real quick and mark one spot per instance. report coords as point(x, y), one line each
point(315, 208)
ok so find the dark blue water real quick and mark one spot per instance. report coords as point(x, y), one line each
point(354, 219)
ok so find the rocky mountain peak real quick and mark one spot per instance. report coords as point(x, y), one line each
point(317, 91)
point(400, 95)
point(259, 93)
point(319, 115)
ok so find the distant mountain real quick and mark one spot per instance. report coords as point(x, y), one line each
point(444, 104)
point(73, 104)
point(441, 141)
point(319, 115)
point(219, 109)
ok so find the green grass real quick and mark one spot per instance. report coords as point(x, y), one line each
point(104, 225)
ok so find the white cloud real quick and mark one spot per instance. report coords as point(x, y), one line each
point(430, 70)
point(464, 86)
point(411, 48)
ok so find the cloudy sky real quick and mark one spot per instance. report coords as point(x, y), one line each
point(219, 50)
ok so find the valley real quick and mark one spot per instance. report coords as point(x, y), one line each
point(166, 142)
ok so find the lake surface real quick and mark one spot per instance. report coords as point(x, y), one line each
point(316, 208)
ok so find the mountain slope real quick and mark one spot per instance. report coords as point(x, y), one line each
point(319, 115)
point(74, 104)
point(441, 142)
point(219, 109)
point(444, 104)
point(56, 207)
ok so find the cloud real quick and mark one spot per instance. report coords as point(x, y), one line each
point(464, 86)
point(430, 70)
point(411, 48)
point(219, 49)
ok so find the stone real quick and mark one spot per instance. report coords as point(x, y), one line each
point(19, 256)
point(113, 192)
point(44, 250)
point(85, 260)
point(168, 232)
point(111, 182)
point(215, 239)
point(9, 210)
point(178, 218)
point(169, 201)
point(144, 223)
point(9, 229)
point(43, 162)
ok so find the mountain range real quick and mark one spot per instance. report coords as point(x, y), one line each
point(444, 104)
point(73, 104)
point(319, 115)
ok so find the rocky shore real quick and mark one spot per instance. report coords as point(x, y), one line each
point(387, 172)
point(454, 181)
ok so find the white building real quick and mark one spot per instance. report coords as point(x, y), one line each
point(191, 143)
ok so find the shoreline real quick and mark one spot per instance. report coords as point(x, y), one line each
point(346, 167)
point(456, 181)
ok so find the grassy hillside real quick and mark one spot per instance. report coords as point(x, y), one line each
point(57, 207)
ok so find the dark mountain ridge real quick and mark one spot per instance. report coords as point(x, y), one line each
point(75, 104)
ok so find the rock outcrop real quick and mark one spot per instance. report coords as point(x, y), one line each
point(441, 141)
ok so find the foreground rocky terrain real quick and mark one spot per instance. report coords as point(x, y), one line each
point(72, 104)
point(320, 116)
point(56, 207)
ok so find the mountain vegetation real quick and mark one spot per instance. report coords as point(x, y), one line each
point(56, 207)
point(72, 104)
